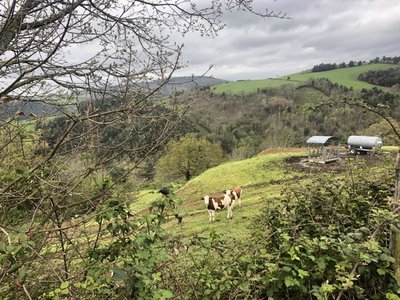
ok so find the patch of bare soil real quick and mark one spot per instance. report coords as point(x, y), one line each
point(301, 163)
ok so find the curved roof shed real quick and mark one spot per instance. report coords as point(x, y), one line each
point(322, 140)
point(323, 148)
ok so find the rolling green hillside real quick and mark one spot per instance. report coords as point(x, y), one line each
point(343, 76)
point(262, 178)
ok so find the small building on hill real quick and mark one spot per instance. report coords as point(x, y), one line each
point(323, 149)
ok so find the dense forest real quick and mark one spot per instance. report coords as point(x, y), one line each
point(387, 78)
point(284, 117)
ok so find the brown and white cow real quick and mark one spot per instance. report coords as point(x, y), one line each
point(235, 194)
point(218, 202)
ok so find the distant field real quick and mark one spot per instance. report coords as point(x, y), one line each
point(247, 86)
point(344, 76)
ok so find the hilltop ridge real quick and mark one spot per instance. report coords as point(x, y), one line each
point(345, 76)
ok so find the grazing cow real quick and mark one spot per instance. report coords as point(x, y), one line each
point(235, 194)
point(218, 202)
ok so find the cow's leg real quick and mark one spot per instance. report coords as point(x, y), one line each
point(229, 212)
point(233, 203)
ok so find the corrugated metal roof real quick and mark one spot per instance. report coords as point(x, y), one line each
point(321, 139)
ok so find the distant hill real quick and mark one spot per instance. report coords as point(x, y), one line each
point(347, 77)
point(42, 109)
point(26, 109)
point(185, 83)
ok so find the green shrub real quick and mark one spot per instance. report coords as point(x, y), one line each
point(326, 240)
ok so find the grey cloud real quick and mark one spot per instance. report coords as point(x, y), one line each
point(318, 31)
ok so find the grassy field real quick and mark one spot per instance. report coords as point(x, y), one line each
point(343, 76)
point(248, 86)
point(262, 178)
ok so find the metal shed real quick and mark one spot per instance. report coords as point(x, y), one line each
point(323, 149)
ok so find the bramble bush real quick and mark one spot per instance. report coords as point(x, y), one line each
point(332, 237)
point(329, 239)
point(129, 265)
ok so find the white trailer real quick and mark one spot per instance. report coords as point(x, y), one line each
point(361, 144)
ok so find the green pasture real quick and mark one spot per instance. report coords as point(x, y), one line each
point(343, 76)
point(262, 178)
point(142, 201)
point(248, 86)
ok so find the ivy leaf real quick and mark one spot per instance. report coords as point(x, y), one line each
point(64, 285)
point(290, 281)
point(303, 273)
point(381, 271)
point(167, 294)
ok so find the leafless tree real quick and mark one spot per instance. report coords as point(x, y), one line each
point(91, 65)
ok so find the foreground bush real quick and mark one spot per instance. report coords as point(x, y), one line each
point(330, 239)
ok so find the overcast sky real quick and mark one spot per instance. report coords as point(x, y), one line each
point(318, 31)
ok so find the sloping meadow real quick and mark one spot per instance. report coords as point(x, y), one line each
point(304, 231)
point(262, 179)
